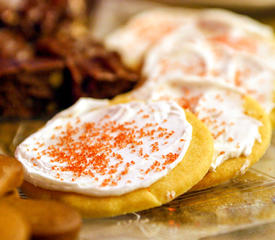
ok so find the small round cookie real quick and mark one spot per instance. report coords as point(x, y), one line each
point(190, 170)
point(236, 166)
point(48, 219)
point(13, 226)
point(11, 174)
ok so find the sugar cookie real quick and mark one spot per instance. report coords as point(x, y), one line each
point(210, 45)
point(240, 127)
point(151, 147)
point(11, 174)
point(48, 219)
point(210, 62)
point(13, 226)
point(147, 28)
point(236, 166)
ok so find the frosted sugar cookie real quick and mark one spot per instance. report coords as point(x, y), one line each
point(236, 62)
point(117, 159)
point(252, 151)
point(202, 45)
point(11, 174)
point(240, 127)
point(144, 30)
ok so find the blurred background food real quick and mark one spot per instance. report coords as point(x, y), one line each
point(48, 58)
point(111, 13)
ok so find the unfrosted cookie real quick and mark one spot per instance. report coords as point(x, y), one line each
point(48, 219)
point(13, 226)
point(149, 153)
point(11, 174)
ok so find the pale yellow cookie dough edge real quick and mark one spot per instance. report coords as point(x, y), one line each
point(233, 167)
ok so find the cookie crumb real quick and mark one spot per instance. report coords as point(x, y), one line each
point(170, 195)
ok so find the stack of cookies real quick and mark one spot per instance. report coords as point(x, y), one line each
point(217, 65)
point(201, 117)
point(21, 219)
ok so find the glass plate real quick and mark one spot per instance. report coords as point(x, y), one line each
point(243, 208)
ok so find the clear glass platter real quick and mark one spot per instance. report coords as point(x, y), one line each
point(243, 208)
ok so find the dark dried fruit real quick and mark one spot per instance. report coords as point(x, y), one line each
point(95, 72)
point(34, 18)
point(46, 63)
point(13, 45)
point(27, 87)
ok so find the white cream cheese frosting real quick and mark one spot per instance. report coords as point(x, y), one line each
point(107, 151)
point(221, 110)
point(144, 30)
point(82, 106)
point(236, 62)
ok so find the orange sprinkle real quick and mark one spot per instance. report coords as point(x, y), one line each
point(171, 222)
point(219, 133)
point(230, 139)
point(170, 209)
point(237, 79)
point(90, 148)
